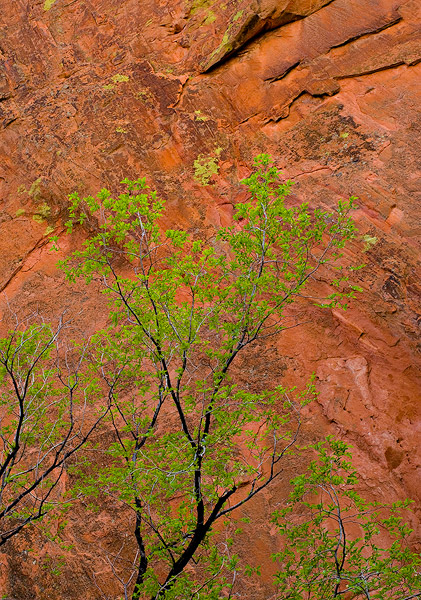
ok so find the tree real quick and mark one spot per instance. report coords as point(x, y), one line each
point(332, 547)
point(44, 395)
point(191, 445)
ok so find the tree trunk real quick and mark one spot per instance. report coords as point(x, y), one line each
point(143, 561)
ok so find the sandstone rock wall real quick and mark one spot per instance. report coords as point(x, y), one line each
point(92, 91)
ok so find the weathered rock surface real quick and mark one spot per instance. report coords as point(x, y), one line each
point(93, 91)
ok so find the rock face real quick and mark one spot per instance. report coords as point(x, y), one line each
point(92, 91)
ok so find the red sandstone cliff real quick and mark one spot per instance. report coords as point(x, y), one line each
point(92, 91)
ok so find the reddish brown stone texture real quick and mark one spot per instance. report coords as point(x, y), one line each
point(92, 91)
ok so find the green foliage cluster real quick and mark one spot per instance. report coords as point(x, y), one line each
point(332, 547)
point(42, 408)
point(199, 116)
point(118, 78)
point(205, 167)
point(369, 242)
point(35, 189)
point(197, 5)
point(178, 322)
point(48, 4)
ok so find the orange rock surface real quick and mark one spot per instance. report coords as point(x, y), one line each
point(92, 91)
